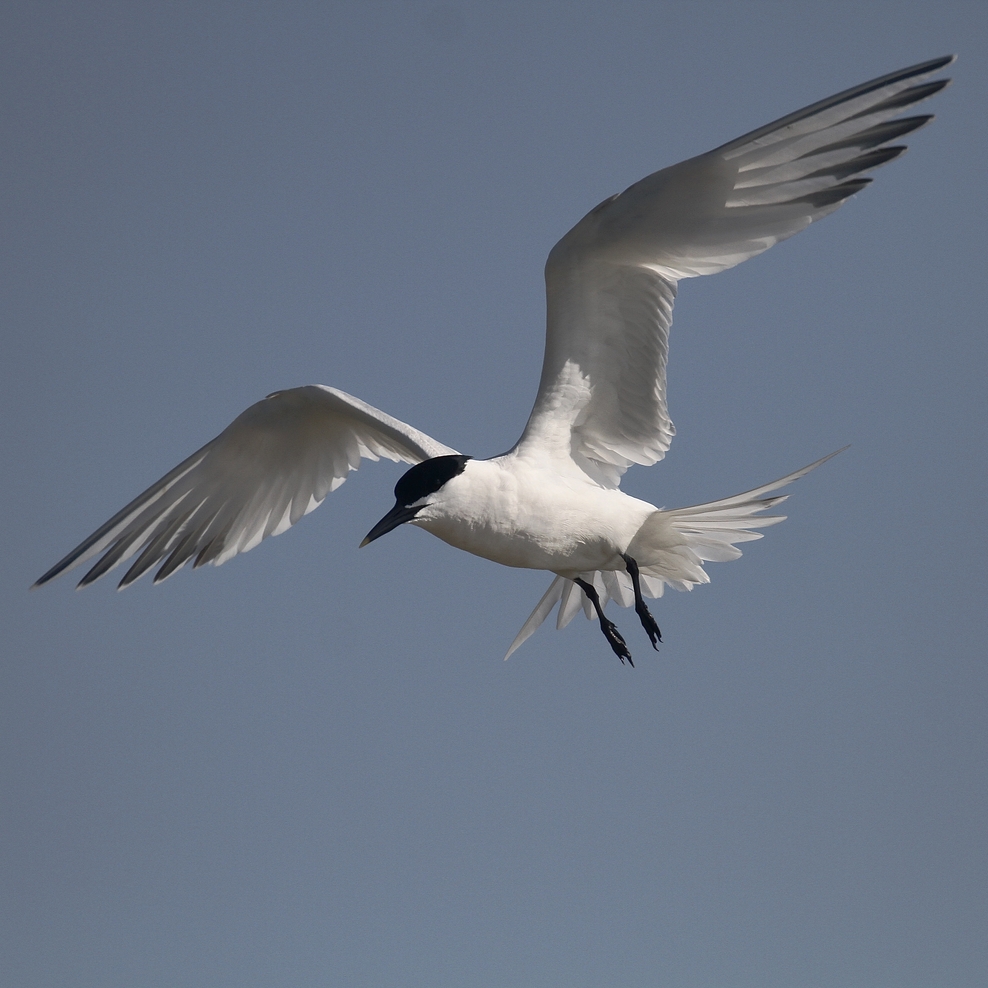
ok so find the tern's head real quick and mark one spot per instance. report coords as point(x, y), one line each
point(416, 487)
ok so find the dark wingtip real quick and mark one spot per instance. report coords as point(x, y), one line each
point(933, 65)
point(936, 63)
point(56, 570)
point(864, 162)
point(836, 193)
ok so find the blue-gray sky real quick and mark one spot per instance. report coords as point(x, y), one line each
point(311, 767)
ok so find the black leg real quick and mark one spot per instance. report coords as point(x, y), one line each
point(611, 633)
point(644, 614)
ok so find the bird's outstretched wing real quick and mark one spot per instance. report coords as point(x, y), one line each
point(273, 464)
point(611, 281)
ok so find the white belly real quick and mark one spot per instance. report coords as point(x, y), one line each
point(515, 515)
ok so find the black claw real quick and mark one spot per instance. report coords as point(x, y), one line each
point(648, 623)
point(641, 608)
point(613, 636)
point(616, 641)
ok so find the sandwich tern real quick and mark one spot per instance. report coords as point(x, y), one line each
point(552, 502)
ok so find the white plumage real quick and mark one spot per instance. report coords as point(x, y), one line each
point(551, 502)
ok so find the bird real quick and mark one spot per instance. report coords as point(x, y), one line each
point(553, 501)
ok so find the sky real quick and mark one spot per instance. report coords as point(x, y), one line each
point(311, 766)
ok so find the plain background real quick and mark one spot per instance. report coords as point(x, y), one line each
point(311, 767)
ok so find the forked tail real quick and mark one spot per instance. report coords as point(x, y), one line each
point(670, 549)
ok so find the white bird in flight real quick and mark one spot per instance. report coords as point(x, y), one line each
point(552, 502)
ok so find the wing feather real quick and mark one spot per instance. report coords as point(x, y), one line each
point(611, 281)
point(273, 464)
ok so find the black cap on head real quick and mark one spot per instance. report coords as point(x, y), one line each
point(427, 477)
point(422, 480)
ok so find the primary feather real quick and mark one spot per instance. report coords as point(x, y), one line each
point(273, 464)
point(611, 281)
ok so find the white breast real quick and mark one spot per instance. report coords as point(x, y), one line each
point(517, 513)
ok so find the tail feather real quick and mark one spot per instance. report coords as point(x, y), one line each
point(701, 533)
point(542, 610)
point(750, 497)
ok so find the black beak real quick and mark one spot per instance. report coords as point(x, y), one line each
point(398, 515)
